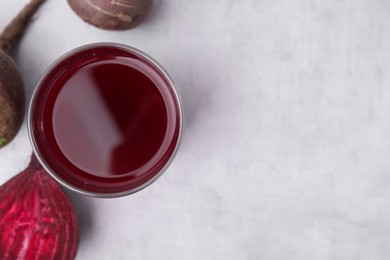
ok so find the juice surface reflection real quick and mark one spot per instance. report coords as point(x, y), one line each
point(109, 118)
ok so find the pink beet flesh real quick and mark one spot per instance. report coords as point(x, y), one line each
point(37, 219)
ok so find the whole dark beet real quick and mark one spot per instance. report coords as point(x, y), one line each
point(11, 83)
point(11, 99)
point(112, 14)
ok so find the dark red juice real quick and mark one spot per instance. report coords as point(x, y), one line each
point(109, 118)
point(105, 120)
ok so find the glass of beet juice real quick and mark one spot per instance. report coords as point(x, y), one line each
point(105, 120)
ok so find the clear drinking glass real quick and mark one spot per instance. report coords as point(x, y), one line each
point(105, 120)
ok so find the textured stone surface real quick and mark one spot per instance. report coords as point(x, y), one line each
point(287, 142)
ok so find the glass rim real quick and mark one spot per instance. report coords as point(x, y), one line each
point(175, 96)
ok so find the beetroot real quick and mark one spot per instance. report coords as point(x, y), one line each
point(37, 219)
point(11, 83)
point(112, 14)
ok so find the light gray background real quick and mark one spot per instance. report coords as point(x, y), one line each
point(286, 150)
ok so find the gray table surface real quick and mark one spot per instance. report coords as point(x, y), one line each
point(286, 149)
